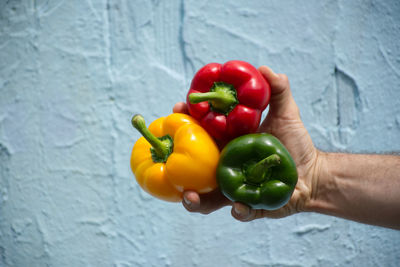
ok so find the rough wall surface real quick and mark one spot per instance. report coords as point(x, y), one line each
point(72, 73)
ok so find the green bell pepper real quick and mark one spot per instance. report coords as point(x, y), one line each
point(257, 170)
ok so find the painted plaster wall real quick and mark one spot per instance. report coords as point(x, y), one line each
point(72, 73)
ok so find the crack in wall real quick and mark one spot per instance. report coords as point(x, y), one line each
point(342, 104)
point(5, 157)
point(348, 105)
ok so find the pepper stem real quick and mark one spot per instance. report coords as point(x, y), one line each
point(222, 97)
point(161, 147)
point(257, 173)
point(195, 98)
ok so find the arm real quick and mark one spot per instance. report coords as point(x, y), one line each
point(363, 188)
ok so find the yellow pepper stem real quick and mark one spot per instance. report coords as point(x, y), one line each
point(161, 147)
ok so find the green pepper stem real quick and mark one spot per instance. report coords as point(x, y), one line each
point(257, 173)
point(222, 97)
point(161, 148)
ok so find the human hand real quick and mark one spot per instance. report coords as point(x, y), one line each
point(284, 122)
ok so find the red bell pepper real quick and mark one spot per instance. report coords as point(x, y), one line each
point(228, 99)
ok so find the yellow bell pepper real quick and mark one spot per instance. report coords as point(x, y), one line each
point(174, 154)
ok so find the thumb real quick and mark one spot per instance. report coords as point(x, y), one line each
point(282, 103)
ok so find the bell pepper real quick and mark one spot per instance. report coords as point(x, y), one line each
point(228, 99)
point(174, 154)
point(256, 169)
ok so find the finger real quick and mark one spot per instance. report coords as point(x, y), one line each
point(180, 107)
point(191, 201)
point(244, 213)
point(282, 103)
point(204, 203)
point(275, 80)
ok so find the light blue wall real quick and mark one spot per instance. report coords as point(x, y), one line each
point(72, 73)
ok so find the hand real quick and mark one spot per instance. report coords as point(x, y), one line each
point(283, 121)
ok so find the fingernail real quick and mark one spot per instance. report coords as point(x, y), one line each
point(275, 74)
point(240, 211)
point(270, 70)
point(187, 201)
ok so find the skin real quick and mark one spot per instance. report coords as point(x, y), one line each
point(363, 188)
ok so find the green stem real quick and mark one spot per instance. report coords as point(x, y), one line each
point(222, 97)
point(195, 98)
point(257, 173)
point(161, 148)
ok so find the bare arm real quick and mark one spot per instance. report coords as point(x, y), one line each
point(363, 188)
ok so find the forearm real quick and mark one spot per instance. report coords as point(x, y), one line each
point(364, 188)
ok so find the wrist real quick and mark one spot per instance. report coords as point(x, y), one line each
point(320, 186)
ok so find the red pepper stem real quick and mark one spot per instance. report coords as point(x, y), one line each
point(222, 97)
point(258, 172)
point(195, 98)
point(162, 149)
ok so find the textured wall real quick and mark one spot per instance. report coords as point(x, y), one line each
point(72, 73)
